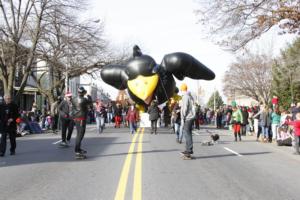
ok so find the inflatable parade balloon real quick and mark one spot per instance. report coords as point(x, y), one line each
point(145, 80)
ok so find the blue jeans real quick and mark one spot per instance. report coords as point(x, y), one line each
point(296, 142)
point(132, 127)
point(187, 131)
point(100, 124)
point(265, 131)
point(178, 131)
point(109, 117)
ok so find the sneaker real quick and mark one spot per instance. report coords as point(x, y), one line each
point(79, 156)
point(187, 157)
point(68, 142)
point(63, 144)
point(1, 154)
point(12, 153)
point(187, 153)
point(81, 151)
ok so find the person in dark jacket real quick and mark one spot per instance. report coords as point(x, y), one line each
point(9, 114)
point(265, 122)
point(100, 115)
point(153, 112)
point(295, 110)
point(67, 123)
point(55, 114)
point(219, 118)
point(245, 120)
point(79, 113)
point(177, 123)
point(118, 115)
point(167, 115)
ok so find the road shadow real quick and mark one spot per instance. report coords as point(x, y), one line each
point(32, 151)
point(135, 152)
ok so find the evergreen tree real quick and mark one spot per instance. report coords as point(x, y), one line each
point(218, 100)
point(286, 76)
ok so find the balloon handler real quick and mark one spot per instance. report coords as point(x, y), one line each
point(79, 113)
point(145, 80)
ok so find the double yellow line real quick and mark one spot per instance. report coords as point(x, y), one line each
point(137, 184)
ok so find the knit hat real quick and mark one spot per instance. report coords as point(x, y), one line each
point(68, 94)
point(81, 90)
point(233, 103)
point(183, 87)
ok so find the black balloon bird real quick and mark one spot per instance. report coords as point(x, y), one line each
point(145, 80)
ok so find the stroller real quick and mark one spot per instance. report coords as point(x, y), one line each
point(285, 137)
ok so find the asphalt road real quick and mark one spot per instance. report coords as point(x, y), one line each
point(144, 166)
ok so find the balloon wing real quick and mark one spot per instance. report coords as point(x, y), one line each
point(115, 76)
point(184, 65)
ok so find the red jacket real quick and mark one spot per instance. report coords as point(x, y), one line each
point(132, 115)
point(296, 125)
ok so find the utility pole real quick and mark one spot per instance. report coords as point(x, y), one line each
point(214, 99)
point(215, 114)
point(198, 95)
point(68, 63)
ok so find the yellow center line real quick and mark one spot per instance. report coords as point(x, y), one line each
point(137, 186)
point(120, 194)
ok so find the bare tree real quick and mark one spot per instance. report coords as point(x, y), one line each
point(70, 47)
point(234, 23)
point(250, 75)
point(21, 27)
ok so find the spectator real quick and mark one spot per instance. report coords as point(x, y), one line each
point(177, 123)
point(295, 110)
point(250, 121)
point(219, 118)
point(265, 122)
point(245, 121)
point(132, 117)
point(9, 113)
point(55, 114)
point(100, 116)
point(167, 115)
point(296, 125)
point(118, 115)
point(109, 113)
point(65, 109)
point(153, 112)
point(275, 117)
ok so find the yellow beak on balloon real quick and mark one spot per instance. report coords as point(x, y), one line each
point(143, 86)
